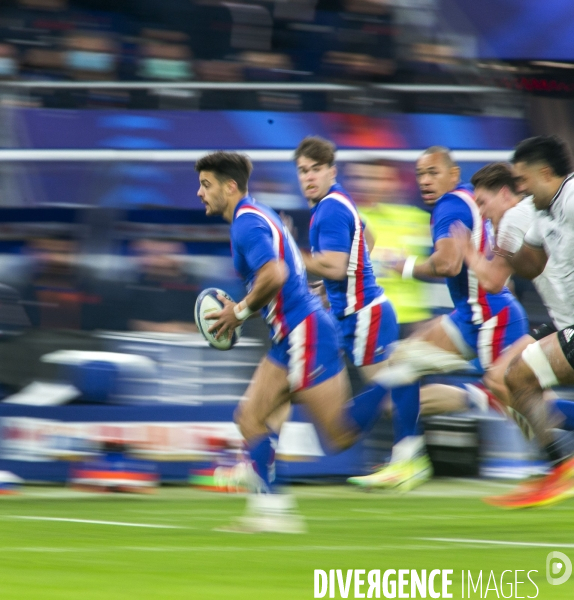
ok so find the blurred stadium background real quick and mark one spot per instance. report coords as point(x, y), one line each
point(104, 381)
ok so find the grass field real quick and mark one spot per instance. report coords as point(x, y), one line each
point(163, 546)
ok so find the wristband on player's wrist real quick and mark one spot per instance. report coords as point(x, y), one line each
point(409, 267)
point(242, 311)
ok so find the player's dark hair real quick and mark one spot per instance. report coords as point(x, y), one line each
point(318, 149)
point(494, 177)
point(549, 149)
point(226, 166)
point(444, 151)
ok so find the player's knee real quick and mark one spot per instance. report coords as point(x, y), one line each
point(531, 369)
point(518, 375)
point(341, 437)
point(494, 380)
point(340, 442)
point(512, 374)
point(246, 419)
point(336, 437)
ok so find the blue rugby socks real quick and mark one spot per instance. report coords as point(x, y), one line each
point(564, 409)
point(406, 407)
point(363, 410)
point(262, 454)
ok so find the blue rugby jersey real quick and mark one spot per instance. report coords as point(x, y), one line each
point(336, 227)
point(257, 237)
point(468, 296)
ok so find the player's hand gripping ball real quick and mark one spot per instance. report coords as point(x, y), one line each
point(208, 303)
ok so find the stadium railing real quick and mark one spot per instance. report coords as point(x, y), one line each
point(363, 97)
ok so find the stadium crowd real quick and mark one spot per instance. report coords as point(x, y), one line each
point(208, 40)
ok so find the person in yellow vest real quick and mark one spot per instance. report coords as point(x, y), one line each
point(399, 230)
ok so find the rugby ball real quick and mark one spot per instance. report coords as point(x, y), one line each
point(207, 302)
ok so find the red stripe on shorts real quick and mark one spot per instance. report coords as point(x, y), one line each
point(376, 313)
point(499, 333)
point(310, 348)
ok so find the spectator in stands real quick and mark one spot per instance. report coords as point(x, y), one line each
point(349, 66)
point(43, 63)
point(34, 28)
point(91, 56)
point(360, 41)
point(8, 61)
point(219, 70)
point(53, 298)
point(51, 5)
point(163, 296)
point(265, 66)
point(165, 55)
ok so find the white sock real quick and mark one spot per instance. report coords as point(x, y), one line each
point(271, 504)
point(408, 448)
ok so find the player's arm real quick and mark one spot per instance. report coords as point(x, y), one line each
point(531, 258)
point(254, 240)
point(335, 227)
point(369, 238)
point(491, 274)
point(269, 280)
point(327, 265)
point(445, 261)
point(448, 256)
point(528, 262)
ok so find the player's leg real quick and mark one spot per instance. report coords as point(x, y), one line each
point(439, 398)
point(265, 400)
point(325, 403)
point(543, 364)
point(369, 335)
point(500, 340)
point(494, 376)
point(439, 347)
point(436, 337)
point(439, 333)
point(446, 339)
point(267, 395)
point(409, 465)
point(497, 343)
point(376, 327)
point(241, 475)
point(307, 364)
point(325, 391)
point(280, 417)
point(341, 419)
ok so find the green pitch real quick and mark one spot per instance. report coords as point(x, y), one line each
point(57, 544)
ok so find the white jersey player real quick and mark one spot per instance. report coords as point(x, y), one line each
point(511, 217)
point(542, 167)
